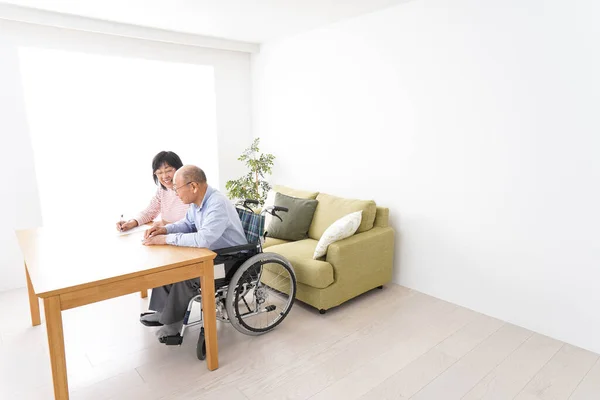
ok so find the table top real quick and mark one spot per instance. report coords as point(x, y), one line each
point(60, 261)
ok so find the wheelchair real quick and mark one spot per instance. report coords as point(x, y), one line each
point(258, 290)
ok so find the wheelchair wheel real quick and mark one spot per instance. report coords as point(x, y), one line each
point(201, 346)
point(261, 293)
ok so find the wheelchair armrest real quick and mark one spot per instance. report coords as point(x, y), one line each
point(235, 249)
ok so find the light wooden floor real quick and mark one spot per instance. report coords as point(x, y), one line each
point(388, 344)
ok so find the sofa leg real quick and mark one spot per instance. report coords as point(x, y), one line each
point(321, 311)
point(380, 287)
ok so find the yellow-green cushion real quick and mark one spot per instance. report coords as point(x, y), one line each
point(315, 273)
point(332, 208)
point(301, 194)
point(270, 241)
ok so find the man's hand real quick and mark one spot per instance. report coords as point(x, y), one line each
point(155, 240)
point(159, 223)
point(155, 231)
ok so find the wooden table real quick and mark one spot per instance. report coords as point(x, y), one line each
point(72, 269)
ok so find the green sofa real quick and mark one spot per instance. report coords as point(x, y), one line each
point(352, 266)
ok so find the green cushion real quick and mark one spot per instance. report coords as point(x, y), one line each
point(301, 194)
point(296, 221)
point(315, 273)
point(332, 208)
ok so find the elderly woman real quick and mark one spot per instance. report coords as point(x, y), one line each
point(165, 202)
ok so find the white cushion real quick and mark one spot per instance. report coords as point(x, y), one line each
point(269, 201)
point(340, 229)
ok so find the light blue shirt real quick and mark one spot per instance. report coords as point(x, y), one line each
point(215, 224)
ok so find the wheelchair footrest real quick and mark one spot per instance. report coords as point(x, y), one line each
point(173, 340)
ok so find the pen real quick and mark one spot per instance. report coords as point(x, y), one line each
point(121, 223)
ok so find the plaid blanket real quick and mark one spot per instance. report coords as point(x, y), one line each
point(253, 224)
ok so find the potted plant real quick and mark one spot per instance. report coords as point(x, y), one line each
point(253, 184)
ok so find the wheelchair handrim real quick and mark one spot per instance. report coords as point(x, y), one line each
point(271, 296)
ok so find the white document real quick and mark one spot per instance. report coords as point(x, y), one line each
point(134, 230)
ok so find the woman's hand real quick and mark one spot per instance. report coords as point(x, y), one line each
point(155, 231)
point(125, 226)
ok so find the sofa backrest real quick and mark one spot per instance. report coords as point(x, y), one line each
point(332, 208)
point(301, 194)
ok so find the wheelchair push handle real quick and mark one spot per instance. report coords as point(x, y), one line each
point(271, 210)
point(250, 201)
point(246, 204)
point(274, 209)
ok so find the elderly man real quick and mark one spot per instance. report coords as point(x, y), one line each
point(212, 222)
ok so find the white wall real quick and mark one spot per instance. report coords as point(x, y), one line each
point(19, 200)
point(477, 124)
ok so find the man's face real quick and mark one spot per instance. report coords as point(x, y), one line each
point(183, 189)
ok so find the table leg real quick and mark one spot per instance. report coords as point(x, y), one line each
point(144, 293)
point(56, 343)
point(207, 283)
point(34, 303)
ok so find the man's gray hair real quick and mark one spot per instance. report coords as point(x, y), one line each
point(191, 173)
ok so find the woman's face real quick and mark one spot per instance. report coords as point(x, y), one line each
point(165, 175)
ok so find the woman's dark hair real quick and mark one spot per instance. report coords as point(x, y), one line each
point(165, 157)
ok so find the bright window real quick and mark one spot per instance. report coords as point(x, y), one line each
point(97, 121)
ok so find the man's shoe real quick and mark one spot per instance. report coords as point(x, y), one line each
point(149, 323)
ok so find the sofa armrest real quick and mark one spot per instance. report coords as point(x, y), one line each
point(367, 255)
point(382, 217)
